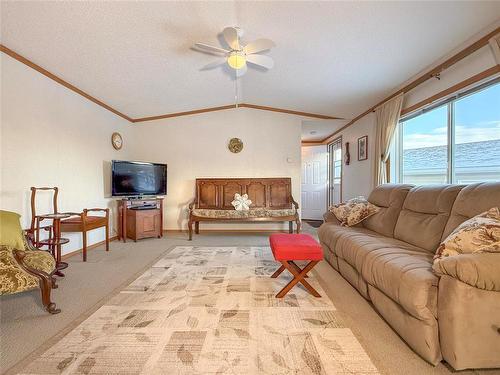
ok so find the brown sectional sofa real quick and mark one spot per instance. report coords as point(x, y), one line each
point(453, 313)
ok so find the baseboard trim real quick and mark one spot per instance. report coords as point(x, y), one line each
point(93, 246)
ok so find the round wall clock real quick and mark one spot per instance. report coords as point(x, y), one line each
point(235, 145)
point(117, 141)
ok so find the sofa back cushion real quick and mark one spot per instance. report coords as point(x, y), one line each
point(471, 201)
point(390, 199)
point(425, 213)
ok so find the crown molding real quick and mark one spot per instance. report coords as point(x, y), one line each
point(186, 113)
point(290, 112)
point(312, 143)
point(61, 81)
point(75, 89)
point(483, 41)
point(235, 106)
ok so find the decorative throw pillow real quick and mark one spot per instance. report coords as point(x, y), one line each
point(11, 233)
point(241, 202)
point(480, 234)
point(354, 211)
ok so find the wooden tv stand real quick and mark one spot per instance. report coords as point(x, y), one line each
point(140, 218)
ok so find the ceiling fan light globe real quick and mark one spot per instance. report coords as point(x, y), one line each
point(236, 60)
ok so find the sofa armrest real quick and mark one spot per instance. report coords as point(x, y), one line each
point(329, 217)
point(480, 270)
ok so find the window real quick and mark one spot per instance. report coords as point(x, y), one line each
point(457, 141)
point(335, 172)
point(477, 137)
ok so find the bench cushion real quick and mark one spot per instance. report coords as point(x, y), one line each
point(295, 247)
point(233, 214)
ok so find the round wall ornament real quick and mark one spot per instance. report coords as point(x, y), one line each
point(116, 140)
point(235, 145)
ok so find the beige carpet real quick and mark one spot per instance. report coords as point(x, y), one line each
point(26, 327)
point(210, 310)
point(27, 331)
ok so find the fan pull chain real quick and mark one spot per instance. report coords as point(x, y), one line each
point(236, 88)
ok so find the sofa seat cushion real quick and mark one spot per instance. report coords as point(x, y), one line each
point(252, 213)
point(13, 279)
point(401, 271)
point(40, 260)
point(353, 244)
point(404, 275)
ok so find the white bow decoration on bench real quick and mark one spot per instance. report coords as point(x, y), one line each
point(241, 202)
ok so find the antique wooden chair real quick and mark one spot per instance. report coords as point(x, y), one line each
point(54, 241)
point(36, 220)
point(79, 222)
point(23, 267)
point(83, 222)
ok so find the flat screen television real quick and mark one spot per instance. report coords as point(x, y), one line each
point(133, 178)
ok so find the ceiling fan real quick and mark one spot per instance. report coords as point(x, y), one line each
point(237, 56)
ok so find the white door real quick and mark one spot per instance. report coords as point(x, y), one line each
point(314, 182)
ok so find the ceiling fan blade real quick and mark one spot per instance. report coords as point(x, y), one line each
point(231, 36)
point(240, 72)
point(260, 60)
point(214, 64)
point(258, 46)
point(210, 49)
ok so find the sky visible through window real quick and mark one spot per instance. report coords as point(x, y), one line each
point(476, 153)
point(477, 118)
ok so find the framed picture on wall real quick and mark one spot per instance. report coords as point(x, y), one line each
point(363, 148)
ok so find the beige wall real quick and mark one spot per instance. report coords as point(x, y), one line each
point(196, 146)
point(51, 136)
point(357, 176)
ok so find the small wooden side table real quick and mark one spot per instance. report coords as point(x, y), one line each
point(140, 218)
point(56, 241)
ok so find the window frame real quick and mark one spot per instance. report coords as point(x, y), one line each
point(331, 167)
point(449, 102)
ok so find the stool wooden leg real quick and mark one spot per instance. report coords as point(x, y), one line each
point(296, 267)
point(298, 277)
point(278, 272)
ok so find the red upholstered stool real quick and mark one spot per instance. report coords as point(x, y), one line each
point(290, 247)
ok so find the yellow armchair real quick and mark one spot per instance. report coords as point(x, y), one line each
point(23, 267)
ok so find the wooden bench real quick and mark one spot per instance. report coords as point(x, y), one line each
point(271, 198)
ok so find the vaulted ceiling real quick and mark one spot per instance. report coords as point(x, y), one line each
point(331, 58)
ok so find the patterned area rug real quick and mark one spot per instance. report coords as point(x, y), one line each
point(210, 310)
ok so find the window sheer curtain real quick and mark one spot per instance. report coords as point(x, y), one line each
point(387, 117)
